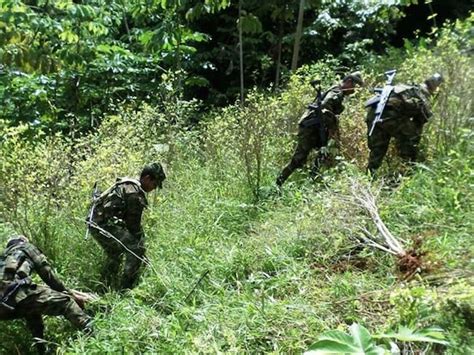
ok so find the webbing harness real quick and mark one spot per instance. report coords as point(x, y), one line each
point(11, 290)
point(96, 197)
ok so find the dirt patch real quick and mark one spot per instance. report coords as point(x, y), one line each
point(410, 263)
point(413, 261)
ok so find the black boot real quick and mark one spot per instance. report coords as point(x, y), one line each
point(285, 174)
point(280, 180)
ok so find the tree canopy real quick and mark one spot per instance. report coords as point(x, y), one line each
point(64, 63)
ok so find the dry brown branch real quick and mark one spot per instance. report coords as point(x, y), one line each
point(363, 197)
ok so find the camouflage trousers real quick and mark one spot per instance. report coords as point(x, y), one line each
point(407, 133)
point(308, 138)
point(115, 251)
point(42, 300)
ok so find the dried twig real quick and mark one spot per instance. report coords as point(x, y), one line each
point(363, 197)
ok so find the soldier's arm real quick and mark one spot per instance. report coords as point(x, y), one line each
point(135, 203)
point(331, 108)
point(44, 269)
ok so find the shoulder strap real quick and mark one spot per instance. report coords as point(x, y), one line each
point(120, 181)
point(126, 180)
point(314, 106)
point(400, 88)
point(329, 90)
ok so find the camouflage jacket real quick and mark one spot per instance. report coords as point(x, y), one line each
point(331, 107)
point(122, 204)
point(405, 101)
point(18, 263)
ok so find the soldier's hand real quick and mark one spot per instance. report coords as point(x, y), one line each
point(82, 298)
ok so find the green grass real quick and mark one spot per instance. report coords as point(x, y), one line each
point(278, 272)
point(280, 268)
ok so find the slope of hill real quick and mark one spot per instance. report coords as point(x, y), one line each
point(236, 265)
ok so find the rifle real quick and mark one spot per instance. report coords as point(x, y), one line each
point(384, 95)
point(95, 196)
point(318, 98)
point(316, 105)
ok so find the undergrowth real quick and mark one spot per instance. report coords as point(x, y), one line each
point(238, 266)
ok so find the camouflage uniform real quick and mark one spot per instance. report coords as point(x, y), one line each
point(405, 113)
point(118, 211)
point(312, 134)
point(21, 298)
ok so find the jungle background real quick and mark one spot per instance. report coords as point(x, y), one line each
point(93, 90)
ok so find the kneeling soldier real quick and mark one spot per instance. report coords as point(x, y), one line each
point(115, 223)
point(21, 298)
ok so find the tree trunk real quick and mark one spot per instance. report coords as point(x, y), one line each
point(299, 30)
point(241, 56)
point(278, 61)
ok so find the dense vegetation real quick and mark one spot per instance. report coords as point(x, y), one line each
point(64, 64)
point(236, 266)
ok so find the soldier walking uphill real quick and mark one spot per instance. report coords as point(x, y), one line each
point(21, 298)
point(115, 223)
point(319, 124)
point(406, 110)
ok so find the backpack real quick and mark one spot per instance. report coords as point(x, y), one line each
point(15, 264)
point(110, 203)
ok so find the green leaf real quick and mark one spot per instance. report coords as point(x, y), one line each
point(361, 335)
point(69, 37)
point(337, 342)
point(251, 24)
point(197, 81)
point(427, 335)
point(330, 347)
point(337, 337)
point(146, 37)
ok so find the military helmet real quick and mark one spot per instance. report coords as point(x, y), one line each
point(16, 239)
point(434, 81)
point(356, 78)
point(156, 171)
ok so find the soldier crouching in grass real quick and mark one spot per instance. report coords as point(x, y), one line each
point(319, 126)
point(20, 297)
point(115, 223)
point(406, 111)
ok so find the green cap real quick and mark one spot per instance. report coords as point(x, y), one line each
point(434, 81)
point(156, 171)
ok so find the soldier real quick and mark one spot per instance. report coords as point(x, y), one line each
point(20, 297)
point(115, 223)
point(406, 111)
point(315, 132)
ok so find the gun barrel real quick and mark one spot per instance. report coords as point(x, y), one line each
point(384, 96)
point(315, 82)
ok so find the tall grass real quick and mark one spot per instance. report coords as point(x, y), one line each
point(241, 269)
